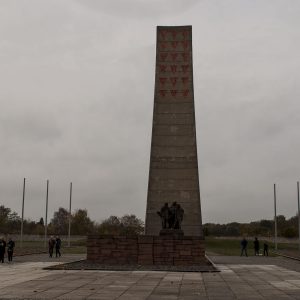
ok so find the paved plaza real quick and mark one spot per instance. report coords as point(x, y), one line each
point(239, 278)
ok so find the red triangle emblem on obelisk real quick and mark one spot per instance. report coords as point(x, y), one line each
point(173, 80)
point(173, 92)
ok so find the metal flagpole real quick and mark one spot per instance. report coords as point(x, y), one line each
point(275, 217)
point(21, 242)
point(298, 212)
point(46, 217)
point(69, 236)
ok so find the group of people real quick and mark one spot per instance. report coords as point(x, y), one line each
point(10, 245)
point(244, 244)
point(54, 242)
point(171, 217)
point(10, 249)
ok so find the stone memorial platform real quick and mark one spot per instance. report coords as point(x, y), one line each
point(146, 250)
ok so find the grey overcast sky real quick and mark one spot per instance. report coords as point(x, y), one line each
point(76, 93)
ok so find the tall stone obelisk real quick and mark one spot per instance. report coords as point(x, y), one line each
point(173, 172)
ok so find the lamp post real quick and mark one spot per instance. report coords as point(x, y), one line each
point(46, 216)
point(275, 217)
point(23, 199)
point(298, 212)
point(69, 234)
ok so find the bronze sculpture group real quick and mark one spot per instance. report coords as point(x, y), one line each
point(171, 217)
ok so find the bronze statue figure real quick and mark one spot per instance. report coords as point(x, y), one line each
point(171, 217)
point(164, 214)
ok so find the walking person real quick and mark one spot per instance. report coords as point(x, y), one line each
point(256, 246)
point(244, 244)
point(10, 249)
point(266, 249)
point(57, 246)
point(2, 249)
point(51, 245)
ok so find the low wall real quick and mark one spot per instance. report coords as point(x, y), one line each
point(145, 250)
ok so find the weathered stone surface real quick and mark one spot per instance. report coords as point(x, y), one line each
point(254, 277)
point(175, 108)
point(173, 119)
point(177, 141)
point(173, 172)
point(146, 250)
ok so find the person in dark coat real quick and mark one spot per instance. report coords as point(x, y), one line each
point(256, 246)
point(57, 246)
point(244, 244)
point(51, 245)
point(266, 249)
point(10, 249)
point(2, 249)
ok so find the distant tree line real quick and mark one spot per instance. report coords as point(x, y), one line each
point(286, 228)
point(81, 224)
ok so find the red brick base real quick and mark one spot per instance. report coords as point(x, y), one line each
point(146, 250)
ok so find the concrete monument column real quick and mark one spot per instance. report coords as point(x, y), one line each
point(173, 174)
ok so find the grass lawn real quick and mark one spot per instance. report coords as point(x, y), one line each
point(289, 249)
point(230, 247)
point(222, 246)
point(213, 246)
point(32, 247)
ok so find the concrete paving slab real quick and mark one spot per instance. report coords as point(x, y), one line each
point(235, 281)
